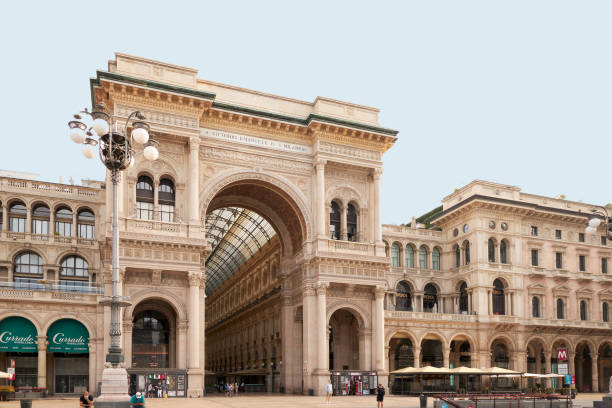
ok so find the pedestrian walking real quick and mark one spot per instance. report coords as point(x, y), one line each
point(380, 396)
point(227, 390)
point(329, 390)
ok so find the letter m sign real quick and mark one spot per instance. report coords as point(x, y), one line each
point(561, 354)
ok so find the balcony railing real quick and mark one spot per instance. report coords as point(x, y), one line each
point(452, 317)
point(52, 189)
point(58, 239)
point(83, 287)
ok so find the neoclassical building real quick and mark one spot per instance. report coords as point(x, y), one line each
point(252, 251)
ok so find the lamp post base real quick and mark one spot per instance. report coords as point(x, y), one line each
point(115, 386)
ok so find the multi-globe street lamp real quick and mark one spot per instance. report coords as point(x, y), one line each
point(117, 154)
point(596, 221)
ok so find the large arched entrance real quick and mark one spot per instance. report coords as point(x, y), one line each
point(158, 364)
point(255, 225)
point(583, 364)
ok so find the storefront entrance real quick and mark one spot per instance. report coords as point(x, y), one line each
point(156, 383)
point(69, 342)
point(354, 382)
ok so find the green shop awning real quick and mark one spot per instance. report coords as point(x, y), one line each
point(68, 336)
point(18, 334)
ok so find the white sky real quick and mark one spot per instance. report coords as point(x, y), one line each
point(517, 92)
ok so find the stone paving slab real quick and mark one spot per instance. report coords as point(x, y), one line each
point(273, 401)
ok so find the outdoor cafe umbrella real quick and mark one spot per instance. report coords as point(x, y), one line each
point(5, 375)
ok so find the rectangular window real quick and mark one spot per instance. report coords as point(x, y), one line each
point(144, 210)
point(582, 263)
point(534, 257)
point(558, 260)
point(17, 224)
point(581, 237)
point(63, 229)
point(534, 231)
point(40, 227)
point(604, 265)
point(604, 240)
point(166, 213)
point(558, 234)
point(86, 231)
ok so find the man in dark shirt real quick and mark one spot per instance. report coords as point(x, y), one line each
point(86, 400)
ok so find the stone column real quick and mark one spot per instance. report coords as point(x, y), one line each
point(194, 177)
point(156, 216)
point(195, 384)
point(42, 361)
point(417, 356)
point(595, 372)
point(343, 213)
point(308, 339)
point(74, 223)
point(321, 207)
point(548, 367)
point(380, 330)
point(28, 226)
point(92, 368)
point(287, 345)
point(446, 356)
point(490, 302)
point(322, 344)
point(571, 355)
point(51, 224)
point(181, 340)
point(127, 343)
point(376, 176)
point(5, 209)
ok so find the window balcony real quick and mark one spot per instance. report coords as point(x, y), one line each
point(588, 324)
point(426, 316)
point(84, 287)
point(42, 238)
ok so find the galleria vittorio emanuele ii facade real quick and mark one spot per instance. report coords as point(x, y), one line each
point(252, 251)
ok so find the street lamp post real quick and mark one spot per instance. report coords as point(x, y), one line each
point(117, 154)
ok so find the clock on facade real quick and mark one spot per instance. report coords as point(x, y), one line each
point(455, 232)
point(492, 224)
point(466, 228)
point(504, 226)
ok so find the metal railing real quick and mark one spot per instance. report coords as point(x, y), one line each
point(56, 286)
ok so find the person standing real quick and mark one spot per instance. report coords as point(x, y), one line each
point(380, 396)
point(329, 390)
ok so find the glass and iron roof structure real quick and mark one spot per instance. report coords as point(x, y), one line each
point(235, 235)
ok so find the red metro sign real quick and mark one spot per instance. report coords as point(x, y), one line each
point(561, 354)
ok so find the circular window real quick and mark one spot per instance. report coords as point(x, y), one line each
point(455, 232)
point(466, 228)
point(504, 226)
point(492, 224)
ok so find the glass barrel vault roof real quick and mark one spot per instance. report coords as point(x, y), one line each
point(235, 235)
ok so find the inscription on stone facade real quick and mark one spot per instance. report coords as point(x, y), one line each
point(256, 141)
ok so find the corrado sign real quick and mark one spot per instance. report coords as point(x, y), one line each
point(68, 336)
point(18, 334)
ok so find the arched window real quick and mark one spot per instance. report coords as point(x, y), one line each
point(395, 255)
point(430, 299)
point(40, 219)
point(500, 356)
point(403, 298)
point(144, 198)
point(74, 266)
point(423, 257)
point(499, 298)
point(605, 312)
point(351, 223)
point(491, 250)
point(63, 222)
point(466, 252)
point(409, 256)
point(583, 310)
point(334, 220)
point(151, 340)
point(457, 256)
point(166, 200)
point(435, 259)
point(17, 217)
point(560, 307)
point(535, 306)
point(86, 222)
point(28, 263)
point(74, 274)
point(463, 298)
point(503, 252)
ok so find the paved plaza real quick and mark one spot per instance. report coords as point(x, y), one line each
point(276, 401)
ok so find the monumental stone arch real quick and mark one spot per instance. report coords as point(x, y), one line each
point(261, 213)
